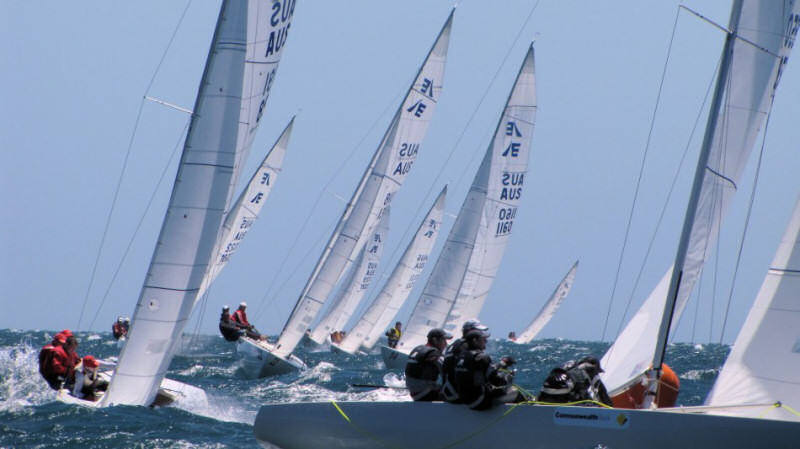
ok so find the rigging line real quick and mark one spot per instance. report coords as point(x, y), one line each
point(339, 169)
point(435, 182)
point(639, 180)
point(124, 167)
point(669, 196)
point(139, 224)
point(746, 223)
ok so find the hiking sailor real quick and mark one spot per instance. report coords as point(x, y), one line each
point(479, 384)
point(87, 381)
point(424, 367)
point(240, 317)
point(119, 328)
point(575, 382)
point(394, 334)
point(228, 328)
point(53, 362)
point(448, 364)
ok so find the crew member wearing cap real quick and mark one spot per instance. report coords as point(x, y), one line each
point(479, 383)
point(119, 329)
point(424, 367)
point(227, 327)
point(448, 365)
point(51, 368)
point(87, 381)
point(240, 318)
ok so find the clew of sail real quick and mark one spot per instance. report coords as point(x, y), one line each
point(353, 290)
point(550, 307)
point(248, 206)
point(401, 282)
point(763, 364)
point(241, 65)
point(466, 267)
point(383, 178)
point(755, 54)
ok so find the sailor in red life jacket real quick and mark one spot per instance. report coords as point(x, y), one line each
point(119, 329)
point(72, 357)
point(87, 382)
point(240, 318)
point(51, 368)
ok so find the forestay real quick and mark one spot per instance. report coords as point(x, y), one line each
point(383, 178)
point(356, 285)
point(401, 282)
point(549, 308)
point(763, 364)
point(241, 65)
point(755, 54)
point(466, 267)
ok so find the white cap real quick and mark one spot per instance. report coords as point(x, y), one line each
point(242, 304)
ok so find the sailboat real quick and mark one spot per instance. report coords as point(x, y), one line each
point(760, 37)
point(398, 287)
point(769, 29)
point(464, 272)
point(242, 62)
point(355, 287)
point(549, 308)
point(382, 179)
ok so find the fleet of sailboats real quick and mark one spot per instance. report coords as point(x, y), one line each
point(384, 176)
point(204, 225)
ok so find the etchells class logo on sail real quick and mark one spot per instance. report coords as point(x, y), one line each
point(603, 418)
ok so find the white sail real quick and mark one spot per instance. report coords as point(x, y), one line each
point(383, 178)
point(244, 56)
point(352, 292)
point(763, 364)
point(466, 267)
point(247, 208)
point(401, 282)
point(755, 55)
point(550, 307)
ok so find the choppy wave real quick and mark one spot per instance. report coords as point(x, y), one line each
point(30, 416)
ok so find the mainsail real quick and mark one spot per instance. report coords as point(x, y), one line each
point(241, 66)
point(549, 308)
point(763, 364)
point(760, 36)
point(352, 292)
point(383, 178)
point(466, 267)
point(398, 287)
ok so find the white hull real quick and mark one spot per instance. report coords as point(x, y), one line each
point(393, 358)
point(437, 425)
point(257, 361)
point(171, 391)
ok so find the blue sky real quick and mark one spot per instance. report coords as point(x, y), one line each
point(75, 73)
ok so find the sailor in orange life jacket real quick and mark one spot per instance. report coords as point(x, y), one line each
point(240, 317)
point(52, 360)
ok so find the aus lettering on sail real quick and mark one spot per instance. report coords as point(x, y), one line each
point(511, 181)
point(407, 152)
point(279, 22)
point(792, 26)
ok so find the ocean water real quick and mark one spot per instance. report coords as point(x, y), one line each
point(30, 416)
